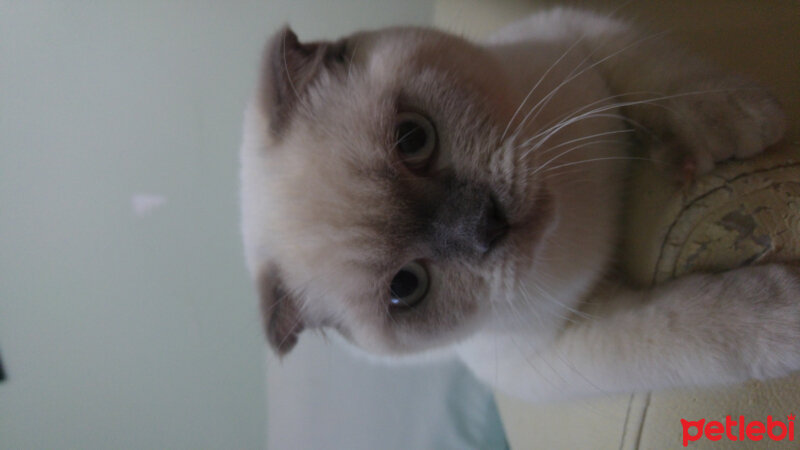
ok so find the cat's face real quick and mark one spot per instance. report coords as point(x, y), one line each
point(379, 197)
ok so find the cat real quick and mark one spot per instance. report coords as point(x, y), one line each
point(423, 194)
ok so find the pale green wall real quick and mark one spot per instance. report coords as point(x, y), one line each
point(120, 331)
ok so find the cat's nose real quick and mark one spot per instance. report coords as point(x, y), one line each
point(467, 221)
point(492, 227)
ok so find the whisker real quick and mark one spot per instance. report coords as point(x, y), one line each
point(607, 159)
point(544, 75)
point(546, 99)
point(575, 112)
point(552, 130)
point(572, 149)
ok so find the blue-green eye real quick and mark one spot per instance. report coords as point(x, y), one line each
point(409, 286)
point(415, 139)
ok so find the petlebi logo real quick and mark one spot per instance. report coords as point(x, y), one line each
point(739, 429)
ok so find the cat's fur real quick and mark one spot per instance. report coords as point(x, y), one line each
point(537, 118)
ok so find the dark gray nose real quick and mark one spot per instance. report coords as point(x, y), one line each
point(467, 221)
point(493, 226)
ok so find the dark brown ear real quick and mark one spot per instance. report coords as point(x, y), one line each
point(287, 69)
point(281, 312)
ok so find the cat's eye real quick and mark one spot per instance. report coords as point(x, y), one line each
point(409, 286)
point(415, 139)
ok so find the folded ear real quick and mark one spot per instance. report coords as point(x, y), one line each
point(289, 67)
point(280, 310)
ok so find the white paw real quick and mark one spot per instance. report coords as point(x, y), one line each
point(775, 348)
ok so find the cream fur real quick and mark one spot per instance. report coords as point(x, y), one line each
point(537, 316)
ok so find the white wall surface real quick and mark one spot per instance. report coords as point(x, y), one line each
point(117, 329)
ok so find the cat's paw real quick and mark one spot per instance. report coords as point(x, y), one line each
point(719, 120)
point(774, 349)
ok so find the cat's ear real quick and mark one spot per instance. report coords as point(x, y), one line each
point(289, 66)
point(280, 311)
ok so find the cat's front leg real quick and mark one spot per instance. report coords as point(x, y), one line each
point(693, 331)
point(709, 120)
point(687, 111)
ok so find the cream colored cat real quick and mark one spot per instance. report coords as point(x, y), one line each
point(419, 193)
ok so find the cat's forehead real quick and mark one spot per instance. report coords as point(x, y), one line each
point(393, 70)
point(402, 56)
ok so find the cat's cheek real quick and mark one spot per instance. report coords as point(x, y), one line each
point(532, 229)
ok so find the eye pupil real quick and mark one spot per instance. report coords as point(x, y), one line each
point(411, 138)
point(409, 285)
point(404, 284)
point(415, 140)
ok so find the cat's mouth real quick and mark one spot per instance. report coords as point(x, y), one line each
point(526, 230)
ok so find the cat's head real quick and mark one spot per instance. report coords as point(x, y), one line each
point(379, 196)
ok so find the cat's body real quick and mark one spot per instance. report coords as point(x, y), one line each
point(495, 230)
